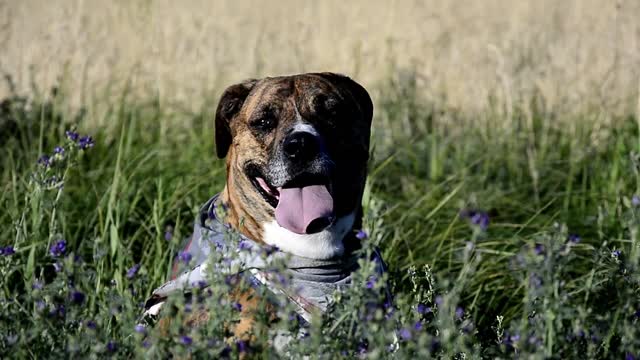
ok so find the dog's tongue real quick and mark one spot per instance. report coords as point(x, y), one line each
point(305, 210)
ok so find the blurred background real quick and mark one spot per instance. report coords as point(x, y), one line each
point(572, 55)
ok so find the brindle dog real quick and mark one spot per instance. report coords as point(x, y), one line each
point(296, 151)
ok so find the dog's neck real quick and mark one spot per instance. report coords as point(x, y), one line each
point(326, 244)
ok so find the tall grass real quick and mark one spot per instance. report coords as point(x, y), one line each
point(503, 190)
point(528, 231)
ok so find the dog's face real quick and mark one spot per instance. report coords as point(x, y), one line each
point(297, 150)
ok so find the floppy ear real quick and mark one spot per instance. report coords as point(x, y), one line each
point(360, 95)
point(230, 103)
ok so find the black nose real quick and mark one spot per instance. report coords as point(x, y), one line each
point(301, 146)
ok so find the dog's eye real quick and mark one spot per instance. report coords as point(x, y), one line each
point(264, 123)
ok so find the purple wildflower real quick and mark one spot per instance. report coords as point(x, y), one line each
point(186, 340)
point(417, 326)
point(361, 234)
point(616, 253)
point(423, 309)
point(480, 219)
point(40, 305)
point(573, 238)
point(439, 300)
point(405, 334)
point(514, 338)
point(237, 306)
point(58, 311)
point(635, 200)
point(91, 325)
point(37, 285)
point(168, 235)
point(7, 251)
point(58, 150)
point(185, 256)
point(535, 281)
point(242, 346)
point(77, 297)
point(459, 313)
point(140, 329)
point(371, 282)
point(244, 245)
point(538, 249)
point(57, 266)
point(112, 346)
point(146, 343)
point(629, 356)
point(85, 142)
point(270, 249)
point(45, 161)
point(133, 271)
point(58, 249)
point(71, 135)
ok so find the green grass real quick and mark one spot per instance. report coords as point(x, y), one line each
point(540, 175)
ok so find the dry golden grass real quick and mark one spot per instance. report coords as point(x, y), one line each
point(574, 55)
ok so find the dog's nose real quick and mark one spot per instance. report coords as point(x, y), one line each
point(301, 146)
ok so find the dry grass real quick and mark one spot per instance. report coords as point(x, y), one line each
point(575, 55)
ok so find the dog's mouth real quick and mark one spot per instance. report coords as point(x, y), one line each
point(303, 205)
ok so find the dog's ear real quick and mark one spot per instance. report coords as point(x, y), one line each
point(230, 103)
point(360, 95)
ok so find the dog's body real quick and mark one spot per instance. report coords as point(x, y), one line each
point(296, 151)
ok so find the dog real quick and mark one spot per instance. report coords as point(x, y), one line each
point(296, 150)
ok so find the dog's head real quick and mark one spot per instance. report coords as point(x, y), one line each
point(297, 149)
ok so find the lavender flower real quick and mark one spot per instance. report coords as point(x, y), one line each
point(635, 200)
point(616, 253)
point(573, 238)
point(58, 150)
point(371, 282)
point(85, 142)
point(90, 324)
point(423, 309)
point(77, 297)
point(185, 256)
point(37, 285)
point(244, 245)
point(418, 326)
point(133, 271)
point(185, 340)
point(237, 306)
point(57, 266)
point(405, 334)
point(168, 234)
point(476, 218)
point(361, 234)
point(480, 219)
point(7, 251)
point(112, 346)
point(58, 249)
point(71, 135)
point(459, 313)
point(45, 160)
point(242, 346)
point(538, 249)
point(140, 329)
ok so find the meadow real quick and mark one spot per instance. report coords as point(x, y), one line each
point(503, 190)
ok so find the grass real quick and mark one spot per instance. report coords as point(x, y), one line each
point(523, 287)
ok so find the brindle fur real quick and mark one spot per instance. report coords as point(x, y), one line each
point(335, 105)
point(339, 108)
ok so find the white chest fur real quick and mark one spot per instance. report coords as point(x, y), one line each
point(322, 245)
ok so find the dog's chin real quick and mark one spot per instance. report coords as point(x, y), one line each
point(325, 244)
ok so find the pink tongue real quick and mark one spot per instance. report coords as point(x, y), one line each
point(305, 210)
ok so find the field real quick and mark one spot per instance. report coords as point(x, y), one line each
point(503, 191)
